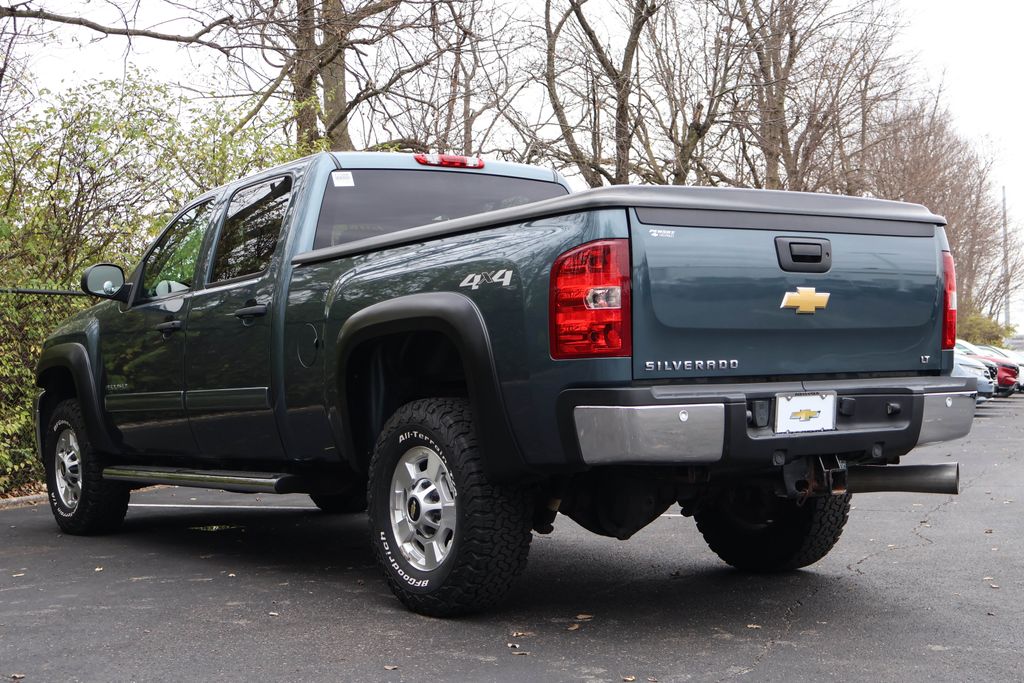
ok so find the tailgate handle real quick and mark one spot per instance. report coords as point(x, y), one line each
point(804, 254)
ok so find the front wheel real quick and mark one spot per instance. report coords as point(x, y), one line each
point(81, 500)
point(754, 530)
point(448, 541)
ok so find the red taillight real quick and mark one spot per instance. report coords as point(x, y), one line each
point(451, 160)
point(949, 299)
point(589, 306)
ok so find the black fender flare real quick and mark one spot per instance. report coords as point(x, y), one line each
point(457, 318)
point(74, 357)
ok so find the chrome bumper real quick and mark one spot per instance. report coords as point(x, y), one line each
point(695, 433)
point(651, 434)
point(947, 416)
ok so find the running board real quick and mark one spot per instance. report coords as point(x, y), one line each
point(238, 482)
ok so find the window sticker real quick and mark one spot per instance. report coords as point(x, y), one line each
point(342, 179)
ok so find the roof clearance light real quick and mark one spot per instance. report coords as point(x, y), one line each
point(450, 160)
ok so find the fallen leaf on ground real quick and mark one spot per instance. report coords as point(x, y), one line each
point(584, 617)
point(520, 652)
point(753, 626)
point(14, 576)
point(988, 531)
point(98, 569)
point(514, 646)
point(273, 614)
point(986, 578)
point(521, 634)
point(573, 627)
point(390, 667)
point(17, 677)
point(652, 679)
point(629, 679)
point(994, 585)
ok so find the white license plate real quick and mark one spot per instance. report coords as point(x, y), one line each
point(808, 412)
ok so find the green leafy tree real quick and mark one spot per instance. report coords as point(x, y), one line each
point(90, 175)
point(981, 329)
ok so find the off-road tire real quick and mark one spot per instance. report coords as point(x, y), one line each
point(101, 505)
point(492, 536)
point(791, 536)
point(340, 504)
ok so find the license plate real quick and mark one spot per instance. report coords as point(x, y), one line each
point(806, 412)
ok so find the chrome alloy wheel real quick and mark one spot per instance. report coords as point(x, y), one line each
point(423, 508)
point(68, 469)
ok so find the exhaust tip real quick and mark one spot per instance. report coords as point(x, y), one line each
point(942, 478)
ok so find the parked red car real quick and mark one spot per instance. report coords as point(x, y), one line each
point(1008, 372)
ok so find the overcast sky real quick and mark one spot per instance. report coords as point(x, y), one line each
point(973, 49)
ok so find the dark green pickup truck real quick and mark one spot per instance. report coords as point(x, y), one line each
point(465, 350)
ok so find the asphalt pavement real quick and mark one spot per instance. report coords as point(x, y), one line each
point(205, 585)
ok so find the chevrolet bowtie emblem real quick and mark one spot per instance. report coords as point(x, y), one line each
point(805, 415)
point(805, 300)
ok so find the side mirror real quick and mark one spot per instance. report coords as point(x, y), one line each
point(106, 281)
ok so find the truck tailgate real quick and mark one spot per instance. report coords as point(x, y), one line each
point(727, 301)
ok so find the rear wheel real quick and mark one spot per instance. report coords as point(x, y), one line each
point(448, 541)
point(81, 500)
point(754, 530)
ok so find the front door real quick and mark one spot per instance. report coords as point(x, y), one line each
point(228, 341)
point(142, 346)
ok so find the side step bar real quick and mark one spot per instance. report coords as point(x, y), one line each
point(238, 482)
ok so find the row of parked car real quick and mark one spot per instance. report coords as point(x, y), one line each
point(997, 370)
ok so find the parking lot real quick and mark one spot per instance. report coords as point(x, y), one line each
point(207, 585)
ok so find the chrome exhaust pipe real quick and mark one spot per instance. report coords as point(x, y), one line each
point(944, 478)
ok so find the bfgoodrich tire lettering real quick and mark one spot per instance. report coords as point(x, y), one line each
point(81, 501)
point(479, 549)
point(755, 531)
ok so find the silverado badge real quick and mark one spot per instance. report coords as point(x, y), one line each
point(805, 300)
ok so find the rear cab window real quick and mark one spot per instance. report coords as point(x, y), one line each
point(363, 203)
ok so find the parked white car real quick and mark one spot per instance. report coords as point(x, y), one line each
point(966, 366)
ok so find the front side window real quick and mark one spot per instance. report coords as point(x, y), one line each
point(251, 229)
point(171, 265)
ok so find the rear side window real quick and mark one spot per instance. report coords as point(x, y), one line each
point(251, 228)
point(370, 202)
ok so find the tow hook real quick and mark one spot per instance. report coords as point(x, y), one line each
point(806, 477)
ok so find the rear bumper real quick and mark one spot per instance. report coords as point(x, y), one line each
point(714, 425)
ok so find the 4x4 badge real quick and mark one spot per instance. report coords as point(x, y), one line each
point(805, 300)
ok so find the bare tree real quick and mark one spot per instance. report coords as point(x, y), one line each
point(586, 78)
point(816, 70)
point(295, 52)
point(689, 68)
point(925, 160)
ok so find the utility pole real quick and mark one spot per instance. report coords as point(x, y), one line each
point(1006, 265)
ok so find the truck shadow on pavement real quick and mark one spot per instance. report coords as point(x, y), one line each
point(569, 573)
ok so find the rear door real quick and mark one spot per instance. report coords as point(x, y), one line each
point(228, 343)
point(724, 294)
